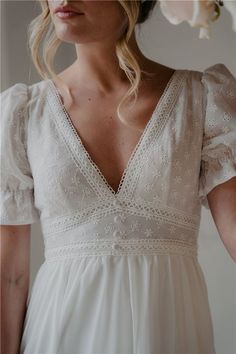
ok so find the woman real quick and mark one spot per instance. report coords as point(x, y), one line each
point(118, 192)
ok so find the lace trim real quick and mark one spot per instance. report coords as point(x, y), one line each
point(17, 207)
point(215, 172)
point(99, 212)
point(152, 131)
point(163, 111)
point(121, 248)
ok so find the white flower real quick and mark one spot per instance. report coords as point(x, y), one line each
point(198, 13)
point(148, 232)
point(231, 7)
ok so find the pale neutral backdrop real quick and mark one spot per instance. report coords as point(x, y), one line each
point(174, 46)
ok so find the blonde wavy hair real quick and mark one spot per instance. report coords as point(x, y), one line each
point(41, 32)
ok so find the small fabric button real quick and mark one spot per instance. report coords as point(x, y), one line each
point(116, 233)
point(116, 218)
point(115, 246)
point(116, 203)
point(122, 217)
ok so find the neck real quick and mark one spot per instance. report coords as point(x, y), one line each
point(98, 64)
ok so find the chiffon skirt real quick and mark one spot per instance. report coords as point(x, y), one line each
point(132, 304)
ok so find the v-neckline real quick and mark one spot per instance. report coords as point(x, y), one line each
point(162, 109)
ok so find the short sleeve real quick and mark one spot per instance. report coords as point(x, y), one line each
point(218, 156)
point(17, 187)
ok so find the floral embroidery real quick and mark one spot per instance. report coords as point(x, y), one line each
point(148, 232)
point(183, 153)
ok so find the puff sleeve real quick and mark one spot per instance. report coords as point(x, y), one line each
point(17, 187)
point(218, 155)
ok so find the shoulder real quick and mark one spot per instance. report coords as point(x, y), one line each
point(218, 77)
point(18, 104)
point(22, 99)
point(216, 74)
point(21, 92)
point(13, 102)
point(13, 96)
point(19, 87)
point(219, 84)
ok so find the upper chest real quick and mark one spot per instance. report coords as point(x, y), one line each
point(108, 140)
point(167, 153)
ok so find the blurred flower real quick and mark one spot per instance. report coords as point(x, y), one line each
point(198, 13)
point(231, 7)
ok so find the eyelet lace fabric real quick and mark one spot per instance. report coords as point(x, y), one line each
point(149, 217)
point(127, 258)
point(121, 248)
point(151, 132)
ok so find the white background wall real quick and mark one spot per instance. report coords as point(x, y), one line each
point(174, 46)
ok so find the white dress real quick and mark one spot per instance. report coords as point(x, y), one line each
point(121, 272)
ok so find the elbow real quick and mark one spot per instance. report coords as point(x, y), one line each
point(13, 281)
point(229, 241)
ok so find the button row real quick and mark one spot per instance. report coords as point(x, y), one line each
point(116, 218)
point(115, 246)
point(130, 246)
point(116, 233)
point(116, 203)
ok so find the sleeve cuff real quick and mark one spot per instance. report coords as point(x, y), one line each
point(214, 174)
point(17, 207)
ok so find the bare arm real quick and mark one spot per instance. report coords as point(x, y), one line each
point(222, 203)
point(15, 273)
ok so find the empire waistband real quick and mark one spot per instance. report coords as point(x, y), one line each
point(120, 247)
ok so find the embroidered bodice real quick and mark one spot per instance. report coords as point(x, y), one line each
point(187, 148)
